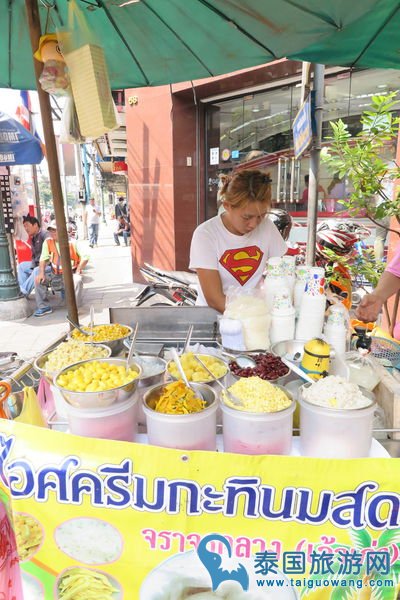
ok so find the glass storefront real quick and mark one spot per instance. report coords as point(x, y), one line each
point(261, 123)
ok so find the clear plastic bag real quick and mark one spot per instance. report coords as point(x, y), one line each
point(54, 78)
point(70, 131)
point(250, 308)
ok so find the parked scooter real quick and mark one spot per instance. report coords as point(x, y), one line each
point(176, 288)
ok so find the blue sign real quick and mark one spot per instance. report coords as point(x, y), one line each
point(17, 145)
point(302, 129)
point(235, 154)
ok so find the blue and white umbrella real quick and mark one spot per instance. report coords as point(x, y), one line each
point(17, 145)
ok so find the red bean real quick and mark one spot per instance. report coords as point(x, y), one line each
point(268, 367)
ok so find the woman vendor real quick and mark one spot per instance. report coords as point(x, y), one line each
point(232, 248)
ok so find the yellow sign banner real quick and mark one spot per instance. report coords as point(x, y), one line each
point(102, 519)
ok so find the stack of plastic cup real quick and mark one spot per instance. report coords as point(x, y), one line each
point(312, 308)
point(335, 331)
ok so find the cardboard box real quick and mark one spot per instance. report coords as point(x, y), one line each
point(91, 90)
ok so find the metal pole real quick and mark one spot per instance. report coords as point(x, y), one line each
point(102, 202)
point(78, 167)
point(35, 185)
point(312, 212)
point(9, 288)
point(86, 169)
point(52, 159)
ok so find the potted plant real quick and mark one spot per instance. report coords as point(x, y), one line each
point(361, 160)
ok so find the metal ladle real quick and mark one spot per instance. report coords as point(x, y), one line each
point(242, 360)
point(132, 347)
point(234, 399)
point(79, 328)
point(297, 370)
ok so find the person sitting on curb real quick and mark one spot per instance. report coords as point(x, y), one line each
point(50, 267)
point(388, 284)
point(26, 278)
point(122, 228)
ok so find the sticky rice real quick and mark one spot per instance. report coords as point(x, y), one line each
point(90, 541)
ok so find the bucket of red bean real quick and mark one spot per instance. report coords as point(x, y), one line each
point(268, 367)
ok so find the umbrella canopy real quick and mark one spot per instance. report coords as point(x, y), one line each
point(154, 42)
point(17, 145)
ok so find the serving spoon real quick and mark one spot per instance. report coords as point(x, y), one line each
point(296, 369)
point(177, 361)
point(234, 399)
point(79, 328)
point(132, 347)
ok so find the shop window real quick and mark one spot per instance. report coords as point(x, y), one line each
point(263, 122)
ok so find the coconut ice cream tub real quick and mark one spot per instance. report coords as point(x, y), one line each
point(336, 419)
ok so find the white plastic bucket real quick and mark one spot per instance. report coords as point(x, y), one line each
point(115, 422)
point(257, 433)
point(196, 431)
point(335, 433)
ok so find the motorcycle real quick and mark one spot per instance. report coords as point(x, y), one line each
point(176, 288)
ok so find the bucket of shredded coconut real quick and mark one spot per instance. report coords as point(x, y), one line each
point(336, 419)
point(263, 423)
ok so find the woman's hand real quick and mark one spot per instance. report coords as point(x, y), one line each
point(369, 308)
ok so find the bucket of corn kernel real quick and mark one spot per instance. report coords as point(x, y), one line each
point(181, 417)
point(98, 383)
point(114, 422)
point(263, 423)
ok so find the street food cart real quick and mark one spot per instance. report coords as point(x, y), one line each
point(143, 522)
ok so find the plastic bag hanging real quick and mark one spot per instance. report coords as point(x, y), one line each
point(70, 132)
point(54, 78)
point(88, 73)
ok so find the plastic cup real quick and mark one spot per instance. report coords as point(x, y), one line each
point(115, 422)
point(257, 433)
point(335, 433)
point(196, 431)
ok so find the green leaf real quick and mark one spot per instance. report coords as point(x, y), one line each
point(383, 593)
point(342, 593)
point(391, 536)
point(360, 538)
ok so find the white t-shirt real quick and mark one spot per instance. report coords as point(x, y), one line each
point(93, 218)
point(239, 259)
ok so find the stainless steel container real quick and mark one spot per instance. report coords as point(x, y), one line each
point(208, 381)
point(116, 346)
point(40, 363)
point(282, 380)
point(159, 367)
point(103, 398)
point(291, 349)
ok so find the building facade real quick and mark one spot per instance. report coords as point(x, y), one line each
point(183, 136)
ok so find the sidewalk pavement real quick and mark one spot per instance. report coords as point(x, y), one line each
point(107, 282)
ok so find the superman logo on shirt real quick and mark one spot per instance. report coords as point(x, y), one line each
point(242, 263)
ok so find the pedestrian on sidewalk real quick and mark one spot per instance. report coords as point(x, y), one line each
point(93, 220)
point(49, 271)
point(25, 269)
point(121, 209)
point(122, 228)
